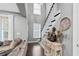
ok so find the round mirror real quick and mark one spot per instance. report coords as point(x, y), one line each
point(65, 24)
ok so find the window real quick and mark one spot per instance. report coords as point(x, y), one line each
point(36, 30)
point(5, 27)
point(37, 8)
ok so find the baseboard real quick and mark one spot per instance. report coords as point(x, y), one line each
point(33, 41)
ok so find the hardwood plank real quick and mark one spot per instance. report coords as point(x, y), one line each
point(34, 49)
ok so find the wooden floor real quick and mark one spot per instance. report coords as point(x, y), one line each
point(34, 49)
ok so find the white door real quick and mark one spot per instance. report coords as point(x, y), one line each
point(6, 27)
point(76, 29)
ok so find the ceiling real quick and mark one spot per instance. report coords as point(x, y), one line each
point(21, 7)
point(13, 8)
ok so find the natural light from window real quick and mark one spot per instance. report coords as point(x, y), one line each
point(37, 8)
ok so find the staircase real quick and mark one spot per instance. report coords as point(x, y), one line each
point(52, 20)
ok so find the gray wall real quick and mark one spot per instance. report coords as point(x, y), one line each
point(32, 18)
point(67, 11)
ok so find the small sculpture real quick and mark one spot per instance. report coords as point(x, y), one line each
point(59, 35)
point(48, 36)
point(53, 35)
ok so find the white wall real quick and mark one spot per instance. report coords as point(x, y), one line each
point(20, 25)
